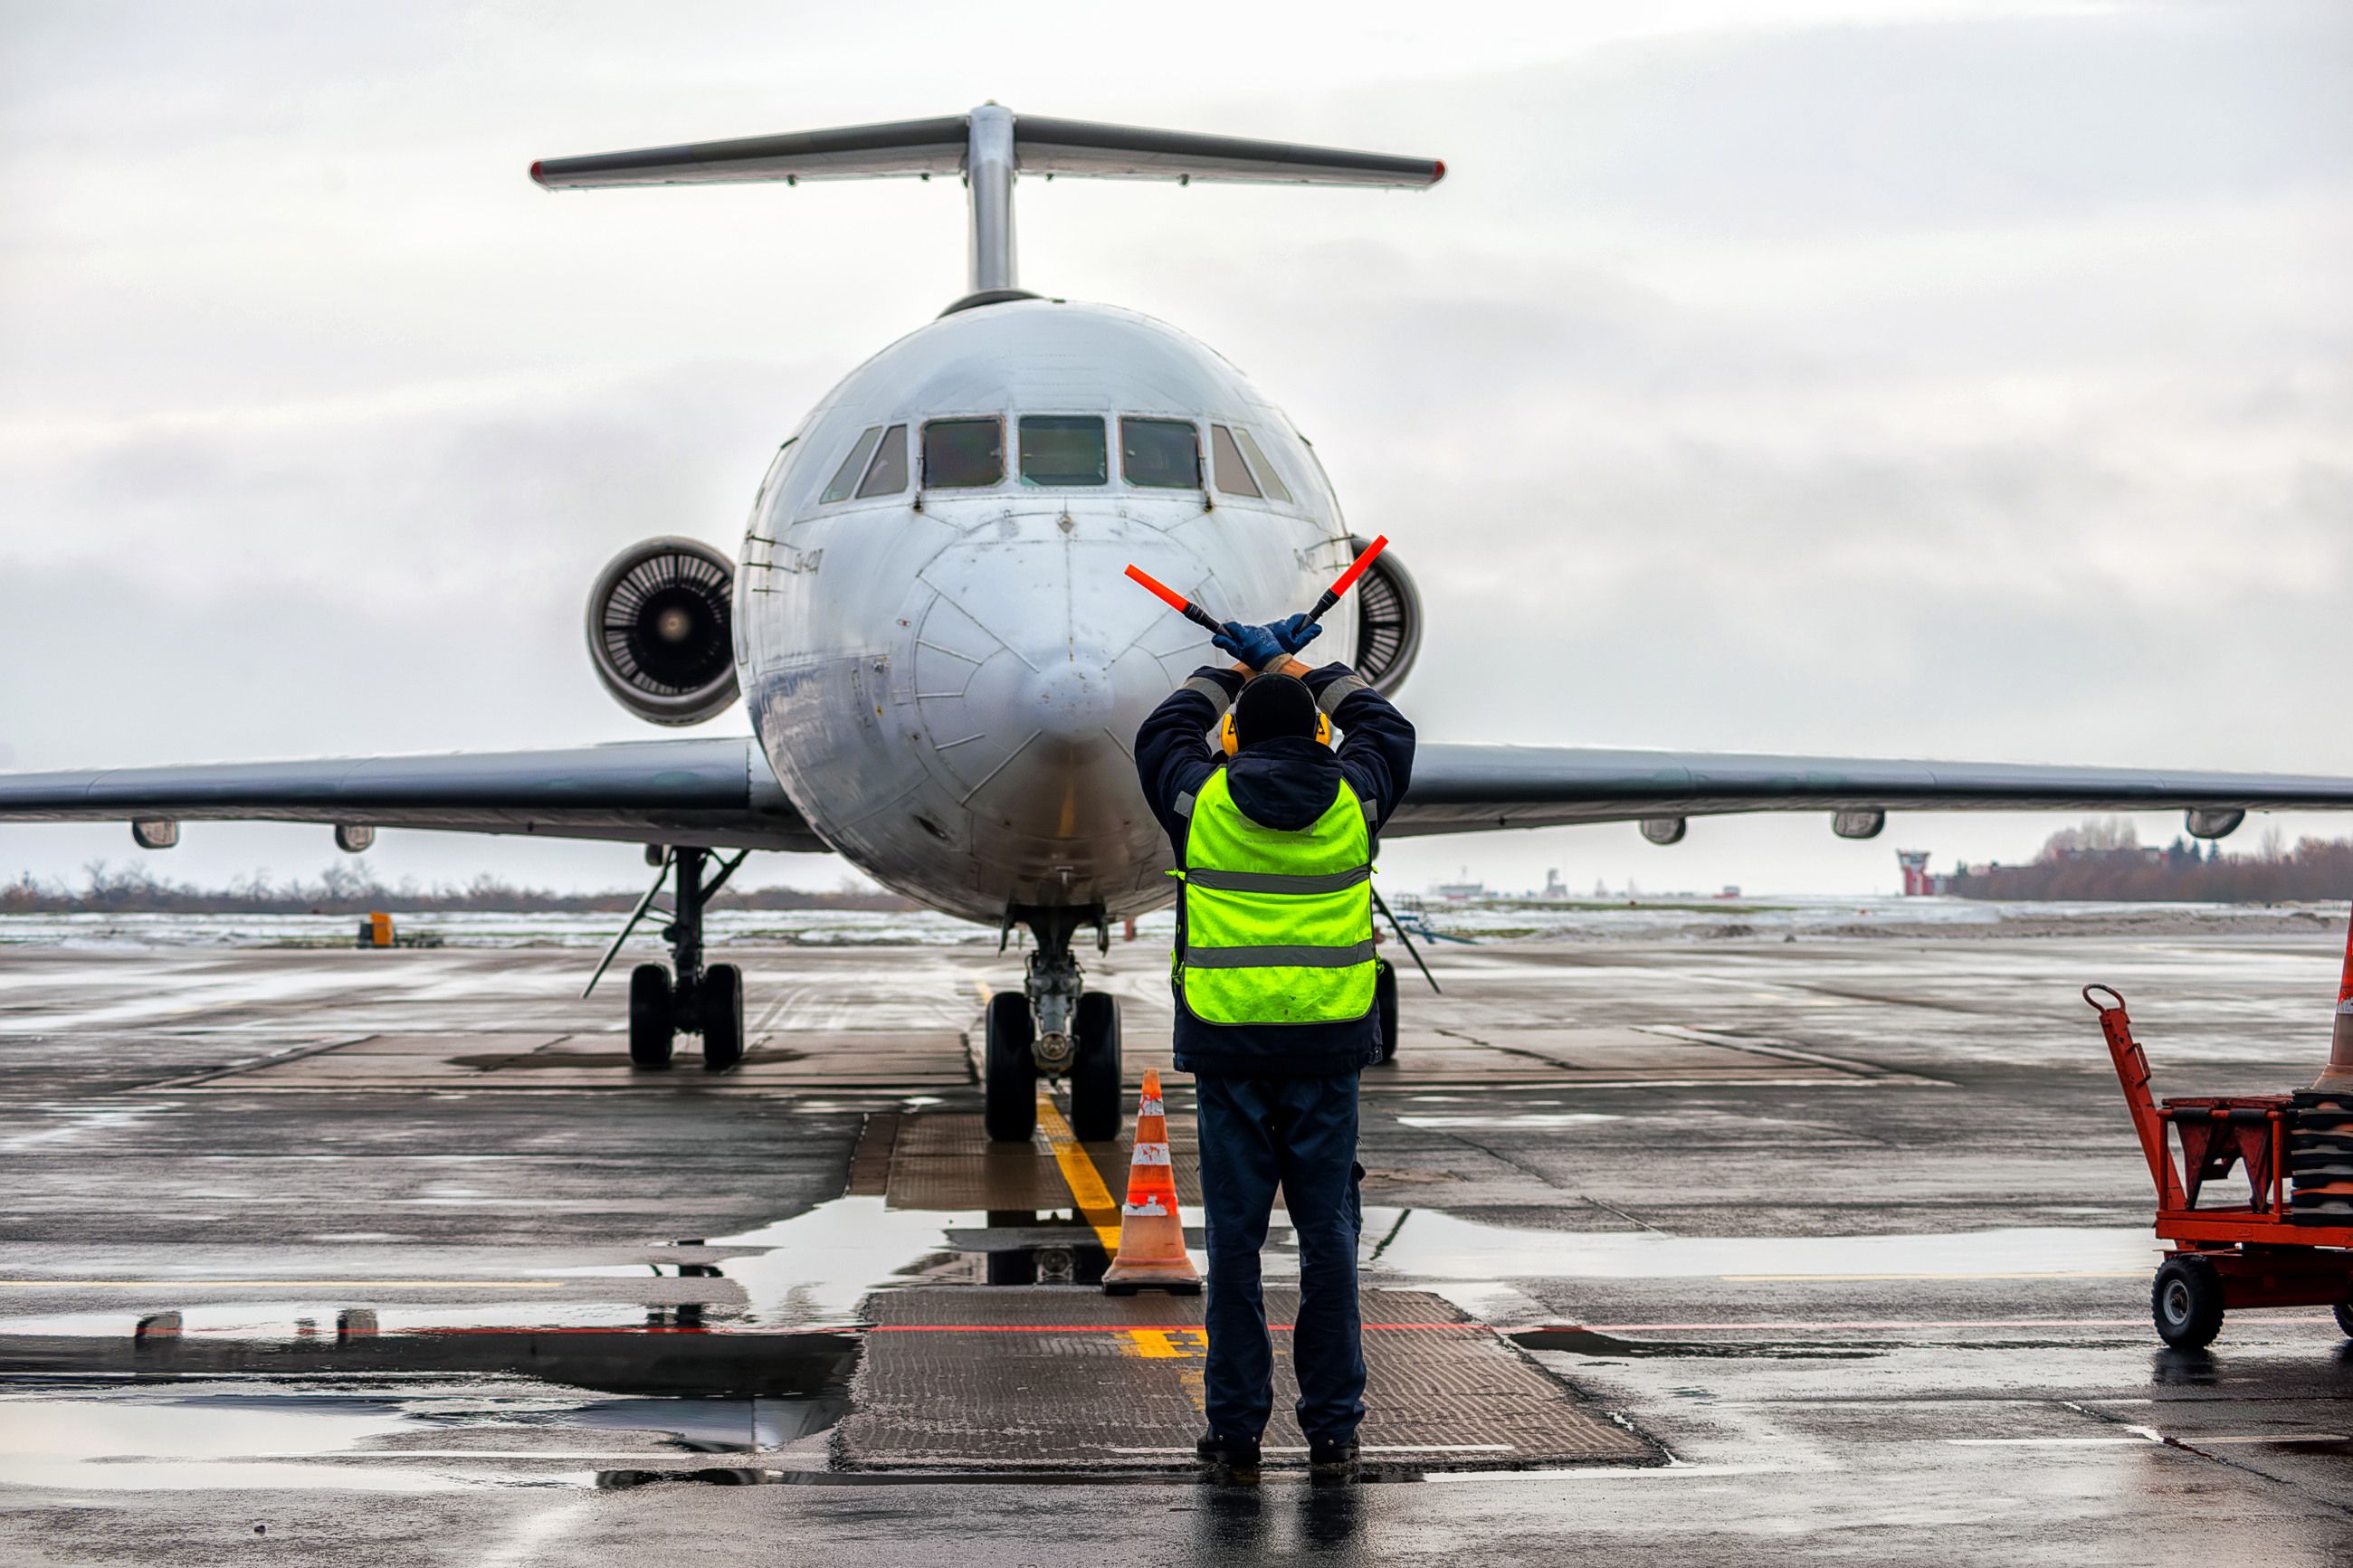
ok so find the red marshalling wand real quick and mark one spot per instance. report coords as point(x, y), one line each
point(1330, 596)
point(1177, 600)
point(1346, 580)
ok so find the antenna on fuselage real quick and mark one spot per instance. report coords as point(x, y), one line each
point(990, 147)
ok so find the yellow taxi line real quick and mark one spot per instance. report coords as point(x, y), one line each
point(1087, 1191)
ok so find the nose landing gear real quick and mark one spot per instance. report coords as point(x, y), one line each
point(686, 998)
point(1052, 1028)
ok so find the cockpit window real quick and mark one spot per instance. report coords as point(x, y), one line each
point(963, 453)
point(1160, 454)
point(1234, 474)
point(1267, 477)
point(1063, 450)
point(887, 475)
point(845, 478)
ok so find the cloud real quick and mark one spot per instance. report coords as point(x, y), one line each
point(1769, 378)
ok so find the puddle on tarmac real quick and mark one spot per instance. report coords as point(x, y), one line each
point(1511, 1119)
point(1593, 1342)
point(820, 1264)
point(1430, 1245)
point(389, 1439)
point(142, 1445)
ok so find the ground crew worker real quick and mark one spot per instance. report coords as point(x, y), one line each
point(1276, 1017)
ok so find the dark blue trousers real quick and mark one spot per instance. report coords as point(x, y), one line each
point(1299, 1133)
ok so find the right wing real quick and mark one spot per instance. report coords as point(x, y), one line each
point(1461, 788)
point(715, 793)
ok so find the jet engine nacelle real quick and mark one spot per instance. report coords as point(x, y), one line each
point(1388, 621)
point(661, 631)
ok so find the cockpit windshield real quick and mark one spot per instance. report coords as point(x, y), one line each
point(888, 474)
point(1160, 454)
point(963, 454)
point(1268, 480)
point(1063, 450)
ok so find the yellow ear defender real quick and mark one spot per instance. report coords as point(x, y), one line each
point(1233, 742)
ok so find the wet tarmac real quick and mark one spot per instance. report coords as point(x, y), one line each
point(1741, 1250)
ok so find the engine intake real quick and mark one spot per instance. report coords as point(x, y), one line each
point(661, 631)
point(1388, 621)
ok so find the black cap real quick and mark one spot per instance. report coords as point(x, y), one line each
point(1273, 706)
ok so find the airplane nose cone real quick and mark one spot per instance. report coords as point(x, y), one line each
point(1030, 682)
point(1072, 700)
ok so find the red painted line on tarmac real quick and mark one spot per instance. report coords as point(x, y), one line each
point(1906, 1323)
point(1113, 1328)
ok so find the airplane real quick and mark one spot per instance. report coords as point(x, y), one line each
point(944, 665)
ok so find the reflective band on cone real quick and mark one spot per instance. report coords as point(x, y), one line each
point(1151, 1226)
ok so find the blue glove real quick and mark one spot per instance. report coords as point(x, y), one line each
point(1295, 633)
point(1257, 647)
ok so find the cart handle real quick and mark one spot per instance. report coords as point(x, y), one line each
point(2103, 1009)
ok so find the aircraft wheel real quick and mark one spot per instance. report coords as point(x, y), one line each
point(1008, 1073)
point(722, 1017)
point(2344, 1310)
point(2187, 1302)
point(651, 1027)
point(1094, 1076)
point(1385, 984)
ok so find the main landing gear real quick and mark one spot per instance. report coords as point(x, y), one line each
point(685, 998)
point(1052, 1028)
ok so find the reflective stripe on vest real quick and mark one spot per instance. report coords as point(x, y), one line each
point(1285, 957)
point(1276, 881)
point(1278, 924)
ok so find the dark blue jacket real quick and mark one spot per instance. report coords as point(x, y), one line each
point(1286, 783)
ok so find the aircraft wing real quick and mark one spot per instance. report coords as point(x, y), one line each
point(1460, 788)
point(717, 793)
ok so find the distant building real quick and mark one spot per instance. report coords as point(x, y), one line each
point(1917, 883)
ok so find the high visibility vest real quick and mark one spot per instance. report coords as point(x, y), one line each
point(1278, 925)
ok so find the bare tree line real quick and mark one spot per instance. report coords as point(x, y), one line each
point(352, 888)
point(2102, 860)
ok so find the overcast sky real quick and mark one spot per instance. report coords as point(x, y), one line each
point(1902, 379)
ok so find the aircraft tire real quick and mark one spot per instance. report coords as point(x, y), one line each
point(1009, 1072)
point(722, 1017)
point(2344, 1311)
point(652, 1029)
point(1094, 1076)
point(1385, 1004)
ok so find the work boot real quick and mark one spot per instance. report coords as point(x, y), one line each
point(1330, 1461)
point(1228, 1453)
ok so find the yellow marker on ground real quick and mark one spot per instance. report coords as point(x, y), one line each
point(1087, 1191)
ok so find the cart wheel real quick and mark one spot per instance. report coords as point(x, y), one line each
point(2187, 1302)
point(2345, 1316)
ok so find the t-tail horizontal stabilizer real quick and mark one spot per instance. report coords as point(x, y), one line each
point(988, 147)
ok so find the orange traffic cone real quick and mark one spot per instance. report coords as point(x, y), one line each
point(1151, 1228)
point(2338, 1076)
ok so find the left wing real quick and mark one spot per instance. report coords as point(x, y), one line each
point(1461, 788)
point(717, 793)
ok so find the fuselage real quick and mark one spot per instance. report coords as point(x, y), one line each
point(947, 670)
